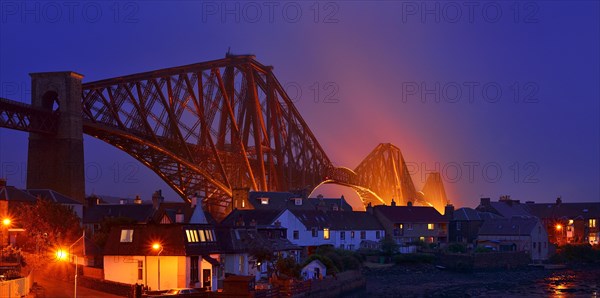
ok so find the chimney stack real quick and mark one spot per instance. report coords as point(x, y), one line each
point(449, 212)
point(157, 199)
point(2, 182)
point(137, 200)
point(179, 216)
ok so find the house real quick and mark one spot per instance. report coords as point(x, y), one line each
point(409, 224)
point(245, 232)
point(524, 234)
point(186, 254)
point(341, 229)
point(54, 196)
point(505, 207)
point(465, 223)
point(575, 223)
point(95, 213)
point(314, 270)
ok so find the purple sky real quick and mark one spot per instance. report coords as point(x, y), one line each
point(502, 98)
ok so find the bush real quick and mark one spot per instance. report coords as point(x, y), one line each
point(457, 248)
point(581, 253)
point(415, 258)
point(482, 249)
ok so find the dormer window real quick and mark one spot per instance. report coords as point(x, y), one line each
point(126, 235)
point(264, 201)
point(298, 201)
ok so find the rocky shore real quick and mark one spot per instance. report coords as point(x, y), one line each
point(425, 280)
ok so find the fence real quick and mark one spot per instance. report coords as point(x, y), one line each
point(16, 287)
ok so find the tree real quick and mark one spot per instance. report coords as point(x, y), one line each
point(47, 225)
point(389, 245)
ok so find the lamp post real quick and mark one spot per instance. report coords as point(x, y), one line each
point(5, 224)
point(62, 255)
point(159, 247)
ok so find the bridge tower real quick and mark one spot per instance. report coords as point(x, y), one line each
point(56, 161)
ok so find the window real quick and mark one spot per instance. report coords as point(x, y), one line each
point(570, 222)
point(430, 226)
point(200, 236)
point(194, 268)
point(409, 226)
point(363, 235)
point(592, 222)
point(264, 201)
point(341, 246)
point(342, 235)
point(298, 201)
point(350, 246)
point(377, 234)
point(326, 233)
point(422, 239)
point(140, 272)
point(243, 204)
point(458, 224)
point(352, 234)
point(296, 235)
point(241, 264)
point(315, 232)
point(126, 235)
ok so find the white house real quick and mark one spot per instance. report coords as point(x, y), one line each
point(314, 270)
point(519, 233)
point(341, 229)
point(163, 256)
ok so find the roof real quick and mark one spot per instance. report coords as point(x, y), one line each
point(514, 226)
point(11, 193)
point(337, 220)
point(410, 214)
point(469, 214)
point(244, 239)
point(328, 203)
point(54, 196)
point(277, 200)
point(141, 213)
point(564, 210)
point(170, 209)
point(261, 217)
point(171, 236)
point(505, 208)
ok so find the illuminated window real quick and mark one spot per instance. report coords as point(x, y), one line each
point(243, 204)
point(192, 235)
point(326, 233)
point(264, 201)
point(592, 222)
point(422, 239)
point(430, 226)
point(570, 222)
point(126, 235)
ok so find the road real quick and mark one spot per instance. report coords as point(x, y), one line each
point(54, 287)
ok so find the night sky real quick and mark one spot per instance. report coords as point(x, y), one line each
point(501, 97)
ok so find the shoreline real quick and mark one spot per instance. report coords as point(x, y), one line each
point(426, 280)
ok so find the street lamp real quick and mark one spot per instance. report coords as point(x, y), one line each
point(159, 248)
point(5, 224)
point(62, 255)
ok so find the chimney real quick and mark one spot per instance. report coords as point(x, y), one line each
point(157, 199)
point(449, 212)
point(393, 202)
point(484, 201)
point(409, 204)
point(137, 200)
point(2, 182)
point(558, 201)
point(369, 208)
point(92, 200)
point(194, 200)
point(179, 216)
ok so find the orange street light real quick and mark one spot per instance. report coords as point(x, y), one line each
point(6, 221)
point(558, 227)
point(61, 254)
point(157, 246)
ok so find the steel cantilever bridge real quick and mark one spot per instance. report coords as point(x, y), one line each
point(211, 127)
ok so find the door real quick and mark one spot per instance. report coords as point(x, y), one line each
point(206, 278)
